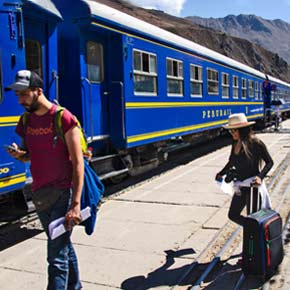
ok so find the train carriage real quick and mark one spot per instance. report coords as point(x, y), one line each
point(143, 89)
point(280, 98)
point(28, 40)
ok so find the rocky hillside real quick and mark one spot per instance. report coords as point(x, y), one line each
point(270, 34)
point(237, 48)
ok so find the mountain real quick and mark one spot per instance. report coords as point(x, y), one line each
point(240, 49)
point(270, 34)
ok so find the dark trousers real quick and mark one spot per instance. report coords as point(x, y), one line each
point(239, 202)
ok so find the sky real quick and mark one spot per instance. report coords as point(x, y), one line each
point(268, 9)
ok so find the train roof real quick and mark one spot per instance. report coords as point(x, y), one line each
point(134, 24)
point(47, 6)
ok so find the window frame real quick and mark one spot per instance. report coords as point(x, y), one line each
point(215, 81)
point(179, 78)
point(142, 73)
point(101, 63)
point(244, 88)
point(256, 90)
point(198, 81)
point(226, 85)
point(34, 62)
point(235, 86)
point(251, 88)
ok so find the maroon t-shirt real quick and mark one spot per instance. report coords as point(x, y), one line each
point(50, 162)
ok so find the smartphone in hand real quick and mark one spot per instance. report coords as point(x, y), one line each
point(10, 148)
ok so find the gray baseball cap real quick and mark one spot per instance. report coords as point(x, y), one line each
point(25, 79)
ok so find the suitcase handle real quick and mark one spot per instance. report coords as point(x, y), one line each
point(252, 199)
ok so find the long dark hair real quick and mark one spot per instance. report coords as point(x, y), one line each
point(247, 139)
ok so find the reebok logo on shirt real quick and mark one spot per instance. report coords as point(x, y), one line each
point(40, 131)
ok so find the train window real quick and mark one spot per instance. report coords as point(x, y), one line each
point(174, 77)
point(34, 56)
point(225, 86)
point(244, 88)
point(251, 88)
point(145, 72)
point(235, 87)
point(195, 81)
point(212, 82)
point(256, 91)
point(95, 61)
point(261, 91)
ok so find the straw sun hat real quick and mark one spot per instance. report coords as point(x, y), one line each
point(238, 121)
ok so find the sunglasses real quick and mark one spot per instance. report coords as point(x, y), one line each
point(233, 130)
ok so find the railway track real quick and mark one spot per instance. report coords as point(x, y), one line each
point(228, 239)
point(19, 229)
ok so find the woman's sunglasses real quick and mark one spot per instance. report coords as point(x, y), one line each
point(233, 130)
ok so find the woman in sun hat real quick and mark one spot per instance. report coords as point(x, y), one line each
point(248, 154)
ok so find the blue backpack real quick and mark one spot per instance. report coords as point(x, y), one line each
point(93, 190)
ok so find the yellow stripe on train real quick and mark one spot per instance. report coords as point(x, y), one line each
point(146, 136)
point(9, 121)
point(11, 180)
point(149, 105)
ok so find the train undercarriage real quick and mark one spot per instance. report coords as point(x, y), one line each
point(115, 167)
point(138, 160)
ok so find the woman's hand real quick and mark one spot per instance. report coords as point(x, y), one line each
point(218, 177)
point(257, 181)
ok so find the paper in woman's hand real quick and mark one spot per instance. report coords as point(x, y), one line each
point(226, 187)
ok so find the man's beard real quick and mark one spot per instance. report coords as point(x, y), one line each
point(34, 106)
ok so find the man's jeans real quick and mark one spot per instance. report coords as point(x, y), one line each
point(63, 273)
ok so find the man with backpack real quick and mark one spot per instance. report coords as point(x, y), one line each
point(57, 170)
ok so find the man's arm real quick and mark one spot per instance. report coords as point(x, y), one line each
point(72, 138)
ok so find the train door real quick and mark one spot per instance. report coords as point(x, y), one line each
point(41, 54)
point(103, 91)
point(95, 91)
point(104, 83)
point(12, 172)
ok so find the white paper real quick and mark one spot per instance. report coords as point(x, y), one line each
point(226, 187)
point(57, 228)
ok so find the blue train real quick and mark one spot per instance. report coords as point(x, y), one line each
point(28, 39)
point(138, 91)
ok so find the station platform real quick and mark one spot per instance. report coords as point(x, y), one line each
point(146, 237)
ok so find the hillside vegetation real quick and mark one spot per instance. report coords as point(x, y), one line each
point(237, 48)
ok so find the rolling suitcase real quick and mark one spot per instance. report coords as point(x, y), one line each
point(262, 241)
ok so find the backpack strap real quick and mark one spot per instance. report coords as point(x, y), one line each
point(57, 123)
point(25, 118)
